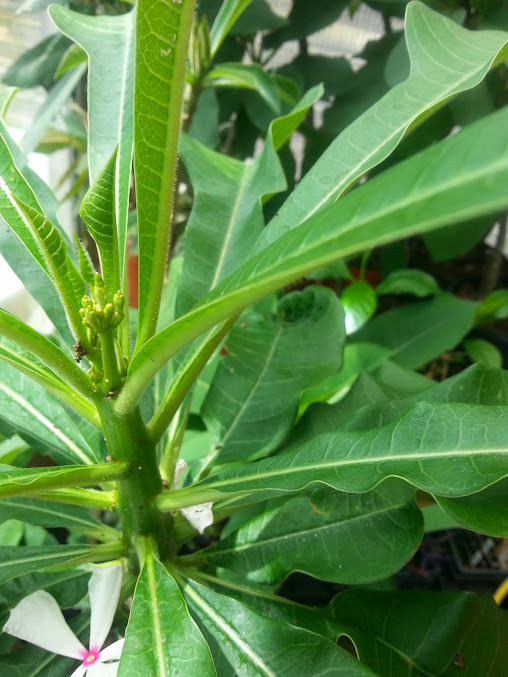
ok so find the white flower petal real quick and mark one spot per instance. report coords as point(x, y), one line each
point(79, 672)
point(112, 652)
point(179, 468)
point(103, 670)
point(104, 590)
point(37, 619)
point(199, 516)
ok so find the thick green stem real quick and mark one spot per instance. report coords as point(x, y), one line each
point(112, 376)
point(128, 441)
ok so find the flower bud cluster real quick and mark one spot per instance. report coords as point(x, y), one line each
point(106, 312)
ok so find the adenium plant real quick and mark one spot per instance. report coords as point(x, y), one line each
point(229, 431)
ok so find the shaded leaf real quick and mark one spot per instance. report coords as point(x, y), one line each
point(270, 360)
point(347, 538)
point(405, 281)
point(244, 642)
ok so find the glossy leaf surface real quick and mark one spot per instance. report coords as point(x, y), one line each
point(109, 43)
point(347, 538)
point(162, 639)
point(420, 633)
point(414, 196)
point(253, 398)
point(244, 642)
point(446, 59)
point(162, 37)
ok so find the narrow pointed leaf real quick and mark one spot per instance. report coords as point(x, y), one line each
point(224, 21)
point(109, 43)
point(426, 446)
point(19, 481)
point(20, 334)
point(37, 65)
point(98, 212)
point(57, 96)
point(346, 538)
point(226, 217)
point(245, 642)
point(27, 408)
point(411, 633)
point(464, 174)
point(27, 363)
point(446, 59)
point(485, 512)
point(51, 515)
point(270, 361)
point(68, 281)
point(245, 76)
point(419, 332)
point(16, 561)
point(161, 638)
point(162, 37)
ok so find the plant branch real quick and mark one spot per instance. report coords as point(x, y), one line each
point(186, 376)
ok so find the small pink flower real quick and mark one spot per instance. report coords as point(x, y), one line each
point(37, 619)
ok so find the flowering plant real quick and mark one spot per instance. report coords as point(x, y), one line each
point(241, 418)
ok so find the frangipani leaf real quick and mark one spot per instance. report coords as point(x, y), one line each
point(465, 173)
point(446, 59)
point(161, 638)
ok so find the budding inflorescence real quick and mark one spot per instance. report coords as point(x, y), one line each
point(106, 312)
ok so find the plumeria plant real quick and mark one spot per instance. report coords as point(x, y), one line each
point(243, 423)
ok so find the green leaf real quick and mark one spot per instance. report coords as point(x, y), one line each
point(11, 448)
point(16, 561)
point(57, 96)
point(26, 362)
point(22, 344)
point(109, 43)
point(465, 173)
point(346, 538)
point(32, 271)
point(485, 512)
point(245, 76)
point(483, 352)
point(446, 59)
point(405, 281)
point(37, 66)
point(359, 302)
point(68, 587)
point(98, 212)
point(424, 445)
point(159, 78)
point(395, 632)
point(68, 281)
point(390, 383)
point(244, 642)
point(271, 360)
point(74, 56)
point(85, 263)
point(11, 532)
point(27, 408)
point(494, 307)
point(229, 193)
point(419, 332)
point(458, 239)
point(357, 357)
point(51, 515)
point(224, 21)
point(18, 481)
point(161, 638)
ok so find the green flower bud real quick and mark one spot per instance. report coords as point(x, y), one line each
point(118, 300)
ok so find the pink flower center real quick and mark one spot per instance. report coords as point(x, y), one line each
point(90, 657)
